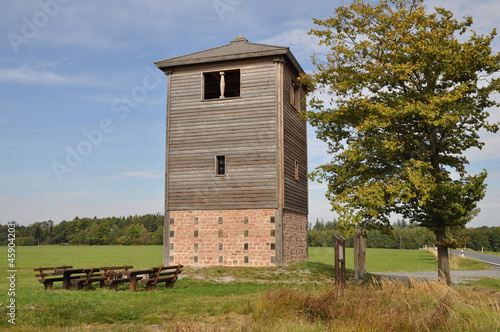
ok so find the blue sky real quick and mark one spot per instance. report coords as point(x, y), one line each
point(82, 106)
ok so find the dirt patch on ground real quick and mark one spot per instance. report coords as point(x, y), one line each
point(258, 275)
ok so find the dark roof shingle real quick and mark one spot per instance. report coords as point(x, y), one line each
point(239, 48)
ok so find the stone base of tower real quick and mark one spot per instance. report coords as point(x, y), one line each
point(235, 238)
point(294, 237)
point(222, 237)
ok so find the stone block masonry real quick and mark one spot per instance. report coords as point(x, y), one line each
point(295, 237)
point(223, 237)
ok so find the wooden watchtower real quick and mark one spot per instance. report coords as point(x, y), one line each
point(236, 157)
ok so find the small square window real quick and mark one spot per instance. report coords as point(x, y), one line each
point(221, 246)
point(220, 220)
point(221, 259)
point(272, 233)
point(196, 246)
point(172, 246)
point(221, 84)
point(245, 220)
point(220, 165)
point(273, 246)
point(245, 233)
point(195, 259)
point(171, 233)
point(196, 220)
point(272, 219)
point(172, 221)
point(245, 259)
point(221, 233)
point(196, 233)
point(245, 246)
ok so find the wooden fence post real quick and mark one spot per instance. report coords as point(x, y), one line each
point(356, 256)
point(337, 261)
point(362, 256)
point(359, 256)
point(342, 267)
point(340, 261)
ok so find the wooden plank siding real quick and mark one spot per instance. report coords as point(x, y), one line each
point(295, 148)
point(241, 128)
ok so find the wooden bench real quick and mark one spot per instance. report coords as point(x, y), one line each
point(87, 277)
point(115, 275)
point(55, 274)
point(135, 276)
point(166, 274)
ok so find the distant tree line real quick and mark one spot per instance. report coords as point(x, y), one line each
point(138, 230)
point(403, 236)
point(148, 230)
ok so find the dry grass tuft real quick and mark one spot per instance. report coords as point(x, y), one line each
point(386, 305)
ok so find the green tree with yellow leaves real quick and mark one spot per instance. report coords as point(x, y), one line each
point(407, 92)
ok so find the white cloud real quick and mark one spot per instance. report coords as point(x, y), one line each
point(38, 73)
point(113, 25)
point(494, 175)
point(484, 12)
point(490, 150)
point(138, 175)
point(319, 206)
point(300, 42)
point(489, 211)
point(318, 186)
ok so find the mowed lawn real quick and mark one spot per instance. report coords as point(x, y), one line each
point(199, 303)
point(381, 260)
point(378, 260)
point(190, 299)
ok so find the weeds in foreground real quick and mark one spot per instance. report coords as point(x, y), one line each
point(300, 297)
point(387, 305)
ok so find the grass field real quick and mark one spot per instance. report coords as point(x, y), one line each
point(390, 260)
point(297, 298)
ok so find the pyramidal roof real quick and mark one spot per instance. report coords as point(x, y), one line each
point(239, 48)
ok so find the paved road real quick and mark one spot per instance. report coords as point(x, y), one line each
point(457, 277)
point(490, 259)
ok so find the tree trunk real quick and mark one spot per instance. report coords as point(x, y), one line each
point(443, 258)
point(359, 256)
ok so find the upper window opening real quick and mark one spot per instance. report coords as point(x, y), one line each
point(295, 95)
point(221, 84)
point(220, 165)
